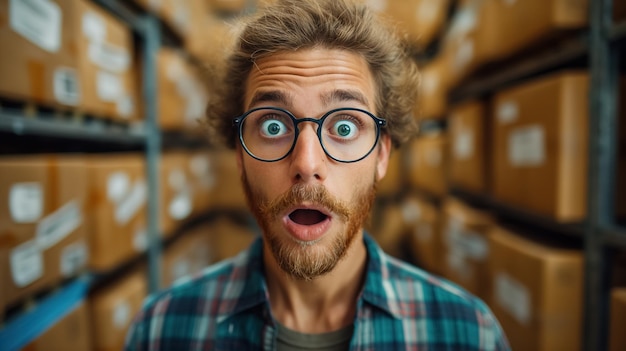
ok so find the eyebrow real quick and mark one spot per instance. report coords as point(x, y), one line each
point(341, 95)
point(271, 96)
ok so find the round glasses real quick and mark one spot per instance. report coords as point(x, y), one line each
point(346, 134)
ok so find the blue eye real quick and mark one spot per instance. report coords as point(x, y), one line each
point(273, 128)
point(344, 129)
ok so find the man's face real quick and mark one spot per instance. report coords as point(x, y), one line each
point(310, 207)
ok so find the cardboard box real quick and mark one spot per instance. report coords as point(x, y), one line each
point(419, 20)
point(117, 209)
point(466, 247)
point(432, 99)
point(201, 180)
point(42, 222)
point(229, 237)
point(187, 256)
point(522, 24)
point(108, 82)
point(113, 308)
point(427, 165)
point(228, 191)
point(483, 32)
point(424, 233)
point(537, 292)
point(541, 145)
point(181, 98)
point(469, 156)
point(619, 10)
point(42, 66)
point(175, 190)
point(617, 338)
point(71, 333)
point(391, 230)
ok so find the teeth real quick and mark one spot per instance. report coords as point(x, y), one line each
point(307, 217)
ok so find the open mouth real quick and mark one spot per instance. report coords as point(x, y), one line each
point(307, 216)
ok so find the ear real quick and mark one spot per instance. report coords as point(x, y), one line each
point(384, 151)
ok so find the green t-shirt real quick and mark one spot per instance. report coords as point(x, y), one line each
point(290, 340)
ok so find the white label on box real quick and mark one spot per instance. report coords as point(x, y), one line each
point(118, 185)
point(65, 85)
point(56, 226)
point(121, 315)
point(109, 86)
point(74, 259)
point(182, 17)
point(513, 297)
point(132, 203)
point(526, 146)
point(472, 245)
point(199, 165)
point(456, 260)
point(125, 106)
point(464, 144)
point(26, 202)
point(180, 207)
point(38, 21)
point(26, 263)
point(94, 27)
point(140, 239)
point(509, 2)
point(113, 58)
point(175, 70)
point(411, 212)
point(507, 112)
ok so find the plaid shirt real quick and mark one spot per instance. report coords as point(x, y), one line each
point(400, 308)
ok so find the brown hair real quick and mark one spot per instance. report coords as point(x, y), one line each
point(293, 24)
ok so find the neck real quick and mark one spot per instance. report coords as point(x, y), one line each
point(323, 304)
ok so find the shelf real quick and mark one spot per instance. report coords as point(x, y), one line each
point(44, 124)
point(23, 329)
point(522, 219)
point(615, 237)
point(617, 32)
point(558, 55)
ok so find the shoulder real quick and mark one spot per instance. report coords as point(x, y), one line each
point(173, 314)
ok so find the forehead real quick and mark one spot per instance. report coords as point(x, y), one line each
point(310, 76)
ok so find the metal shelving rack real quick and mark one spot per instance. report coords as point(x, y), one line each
point(600, 234)
point(146, 136)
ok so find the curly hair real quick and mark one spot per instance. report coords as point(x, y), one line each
point(290, 25)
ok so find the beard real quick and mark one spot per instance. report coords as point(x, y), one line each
point(308, 260)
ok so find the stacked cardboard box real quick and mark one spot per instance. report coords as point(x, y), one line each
point(176, 202)
point(469, 145)
point(228, 237)
point(431, 102)
point(71, 333)
point(227, 192)
point(116, 209)
point(43, 237)
point(427, 165)
point(466, 249)
point(68, 53)
point(112, 309)
point(181, 97)
point(540, 146)
point(187, 256)
point(617, 338)
point(424, 233)
point(537, 292)
point(393, 181)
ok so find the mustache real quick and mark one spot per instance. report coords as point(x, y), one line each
point(299, 193)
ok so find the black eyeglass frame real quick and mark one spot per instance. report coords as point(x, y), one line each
point(238, 123)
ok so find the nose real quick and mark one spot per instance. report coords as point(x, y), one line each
point(308, 159)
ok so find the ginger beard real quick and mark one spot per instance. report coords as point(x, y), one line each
point(307, 260)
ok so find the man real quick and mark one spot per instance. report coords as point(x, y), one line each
point(314, 96)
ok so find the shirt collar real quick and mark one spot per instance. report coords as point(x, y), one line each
point(246, 287)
